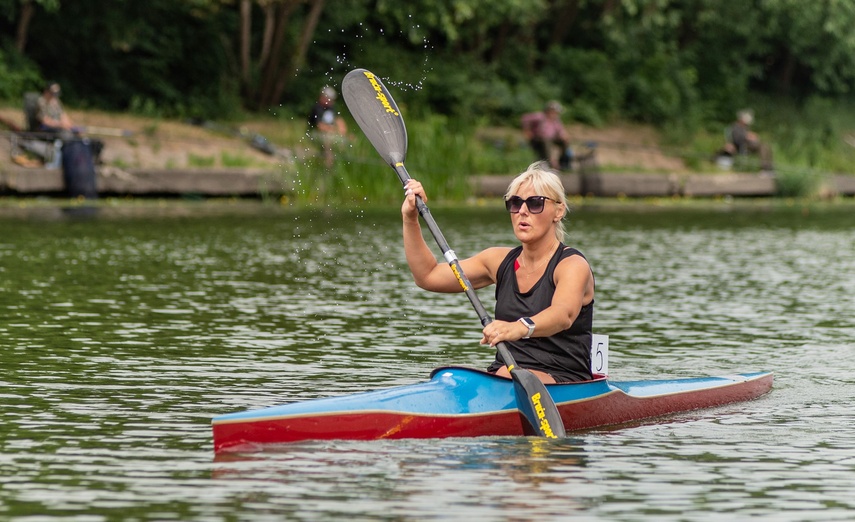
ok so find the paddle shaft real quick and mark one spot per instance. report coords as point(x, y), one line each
point(377, 114)
point(454, 263)
point(533, 399)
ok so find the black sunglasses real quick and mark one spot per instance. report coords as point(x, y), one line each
point(535, 204)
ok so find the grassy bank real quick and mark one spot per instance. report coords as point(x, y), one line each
point(441, 153)
point(809, 142)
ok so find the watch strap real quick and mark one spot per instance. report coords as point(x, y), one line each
point(528, 324)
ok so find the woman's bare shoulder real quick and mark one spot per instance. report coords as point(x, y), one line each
point(574, 261)
point(492, 257)
point(495, 254)
point(497, 250)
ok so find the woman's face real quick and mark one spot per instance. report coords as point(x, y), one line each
point(529, 226)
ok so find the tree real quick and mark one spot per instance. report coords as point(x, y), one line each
point(279, 57)
point(651, 60)
point(27, 9)
point(814, 45)
point(279, 69)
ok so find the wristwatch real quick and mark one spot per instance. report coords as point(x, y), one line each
point(528, 324)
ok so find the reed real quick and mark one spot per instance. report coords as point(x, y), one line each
point(441, 153)
point(810, 141)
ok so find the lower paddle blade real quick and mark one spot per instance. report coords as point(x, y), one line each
point(376, 114)
point(536, 405)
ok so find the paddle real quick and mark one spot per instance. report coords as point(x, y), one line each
point(379, 118)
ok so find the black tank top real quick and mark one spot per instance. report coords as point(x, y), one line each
point(566, 356)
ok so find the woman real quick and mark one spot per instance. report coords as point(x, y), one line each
point(544, 289)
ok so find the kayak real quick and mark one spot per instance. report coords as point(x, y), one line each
point(464, 402)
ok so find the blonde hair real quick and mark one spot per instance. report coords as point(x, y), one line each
point(545, 182)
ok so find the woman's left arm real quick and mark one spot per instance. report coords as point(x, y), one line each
point(574, 288)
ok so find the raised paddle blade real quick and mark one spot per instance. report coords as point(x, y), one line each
point(537, 406)
point(376, 113)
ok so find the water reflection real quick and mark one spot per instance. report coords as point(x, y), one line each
point(416, 474)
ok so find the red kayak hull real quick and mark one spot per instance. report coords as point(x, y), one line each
point(459, 411)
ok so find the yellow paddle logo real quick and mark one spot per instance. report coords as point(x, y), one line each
point(459, 278)
point(541, 415)
point(384, 100)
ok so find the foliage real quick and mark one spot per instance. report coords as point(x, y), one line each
point(17, 75)
point(588, 83)
point(817, 134)
point(651, 60)
point(820, 43)
point(683, 65)
point(360, 169)
point(798, 182)
point(727, 43)
point(160, 50)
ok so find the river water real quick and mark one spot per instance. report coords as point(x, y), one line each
point(125, 329)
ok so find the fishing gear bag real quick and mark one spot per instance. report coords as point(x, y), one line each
point(78, 169)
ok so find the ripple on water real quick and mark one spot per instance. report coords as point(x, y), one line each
point(125, 337)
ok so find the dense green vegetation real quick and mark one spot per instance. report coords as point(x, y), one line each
point(683, 65)
point(361, 174)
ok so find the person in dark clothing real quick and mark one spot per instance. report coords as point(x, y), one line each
point(741, 140)
point(51, 115)
point(544, 289)
point(325, 125)
point(52, 119)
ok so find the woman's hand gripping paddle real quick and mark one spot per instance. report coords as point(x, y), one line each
point(379, 118)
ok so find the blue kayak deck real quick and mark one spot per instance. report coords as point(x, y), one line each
point(457, 390)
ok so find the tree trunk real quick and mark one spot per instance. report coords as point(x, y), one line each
point(27, 11)
point(610, 6)
point(567, 13)
point(272, 65)
point(267, 38)
point(500, 41)
point(785, 78)
point(299, 57)
point(245, 35)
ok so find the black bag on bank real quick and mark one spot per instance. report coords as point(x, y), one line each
point(78, 169)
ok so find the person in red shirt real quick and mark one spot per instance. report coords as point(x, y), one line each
point(547, 136)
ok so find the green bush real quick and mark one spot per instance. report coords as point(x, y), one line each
point(810, 135)
point(588, 83)
point(442, 153)
point(17, 76)
point(798, 182)
point(661, 91)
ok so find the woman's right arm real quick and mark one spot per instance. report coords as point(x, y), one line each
point(428, 273)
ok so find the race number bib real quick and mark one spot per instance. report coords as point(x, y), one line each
point(599, 354)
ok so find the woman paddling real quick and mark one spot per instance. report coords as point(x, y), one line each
point(544, 289)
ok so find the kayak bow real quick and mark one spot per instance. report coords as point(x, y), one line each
point(462, 402)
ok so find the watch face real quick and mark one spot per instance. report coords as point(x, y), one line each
point(528, 324)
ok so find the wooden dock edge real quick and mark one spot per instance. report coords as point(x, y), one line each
point(256, 182)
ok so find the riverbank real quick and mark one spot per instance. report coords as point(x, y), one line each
point(154, 158)
point(259, 182)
